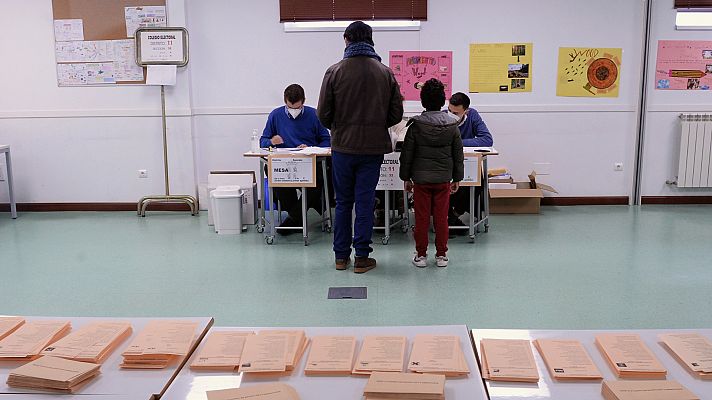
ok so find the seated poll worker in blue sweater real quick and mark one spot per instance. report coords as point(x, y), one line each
point(474, 133)
point(289, 126)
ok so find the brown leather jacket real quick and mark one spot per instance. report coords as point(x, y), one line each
point(359, 100)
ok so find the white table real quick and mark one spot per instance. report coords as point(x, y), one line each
point(549, 389)
point(113, 382)
point(5, 149)
point(192, 385)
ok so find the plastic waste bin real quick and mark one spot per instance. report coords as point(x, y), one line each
point(226, 207)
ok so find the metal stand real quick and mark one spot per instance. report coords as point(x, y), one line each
point(167, 198)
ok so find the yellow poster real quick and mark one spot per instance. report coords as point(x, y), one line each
point(500, 67)
point(589, 72)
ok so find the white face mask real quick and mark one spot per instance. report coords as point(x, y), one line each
point(457, 117)
point(294, 112)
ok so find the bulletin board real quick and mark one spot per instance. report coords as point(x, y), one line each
point(99, 50)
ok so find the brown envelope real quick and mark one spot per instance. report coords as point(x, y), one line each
point(395, 385)
point(270, 391)
point(52, 373)
point(645, 390)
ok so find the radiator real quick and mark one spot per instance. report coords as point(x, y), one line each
point(695, 170)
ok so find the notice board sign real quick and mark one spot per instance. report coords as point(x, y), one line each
point(390, 173)
point(292, 170)
point(473, 170)
point(162, 46)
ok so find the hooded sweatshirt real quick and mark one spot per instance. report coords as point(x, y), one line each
point(432, 149)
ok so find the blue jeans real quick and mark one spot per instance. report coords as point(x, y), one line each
point(355, 179)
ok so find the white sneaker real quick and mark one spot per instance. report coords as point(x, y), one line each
point(441, 261)
point(420, 262)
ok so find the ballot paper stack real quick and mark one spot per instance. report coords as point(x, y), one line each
point(381, 353)
point(645, 390)
point(567, 360)
point(438, 354)
point(9, 325)
point(160, 344)
point(273, 352)
point(629, 357)
point(53, 374)
point(92, 343)
point(222, 351)
point(508, 360)
point(692, 350)
point(269, 391)
point(397, 385)
point(26, 343)
point(331, 356)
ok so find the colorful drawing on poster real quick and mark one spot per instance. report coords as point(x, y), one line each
point(684, 65)
point(500, 67)
point(589, 72)
point(413, 68)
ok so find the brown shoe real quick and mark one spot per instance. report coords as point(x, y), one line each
point(364, 264)
point(342, 263)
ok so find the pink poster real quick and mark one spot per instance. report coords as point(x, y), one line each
point(684, 65)
point(413, 68)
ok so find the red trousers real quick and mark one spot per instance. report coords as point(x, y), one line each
point(431, 199)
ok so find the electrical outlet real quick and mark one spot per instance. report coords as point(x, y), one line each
point(618, 166)
point(142, 173)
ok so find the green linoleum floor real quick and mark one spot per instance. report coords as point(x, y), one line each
point(568, 268)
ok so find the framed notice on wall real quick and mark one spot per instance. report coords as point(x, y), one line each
point(292, 170)
point(473, 170)
point(162, 46)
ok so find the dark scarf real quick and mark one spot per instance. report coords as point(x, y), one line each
point(360, 49)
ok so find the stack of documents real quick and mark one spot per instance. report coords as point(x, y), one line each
point(26, 343)
point(381, 353)
point(567, 360)
point(92, 343)
point(397, 385)
point(629, 357)
point(160, 344)
point(53, 374)
point(508, 360)
point(273, 351)
point(438, 354)
point(269, 391)
point(692, 350)
point(9, 325)
point(222, 351)
point(645, 390)
point(331, 355)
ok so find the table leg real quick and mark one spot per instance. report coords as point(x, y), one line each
point(262, 222)
point(330, 221)
point(485, 192)
point(305, 224)
point(472, 213)
point(386, 216)
point(10, 185)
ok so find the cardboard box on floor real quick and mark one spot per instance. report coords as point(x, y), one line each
point(525, 199)
point(247, 181)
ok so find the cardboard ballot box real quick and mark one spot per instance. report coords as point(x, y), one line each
point(523, 198)
point(247, 182)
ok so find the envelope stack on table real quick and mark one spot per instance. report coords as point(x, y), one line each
point(160, 344)
point(273, 352)
point(222, 351)
point(438, 354)
point(9, 325)
point(567, 360)
point(331, 356)
point(397, 385)
point(268, 391)
point(382, 354)
point(27, 342)
point(629, 357)
point(692, 350)
point(92, 343)
point(508, 360)
point(645, 390)
point(53, 374)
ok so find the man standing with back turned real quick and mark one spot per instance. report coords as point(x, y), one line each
point(359, 100)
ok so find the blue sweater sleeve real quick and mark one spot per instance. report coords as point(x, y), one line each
point(324, 136)
point(268, 132)
point(483, 137)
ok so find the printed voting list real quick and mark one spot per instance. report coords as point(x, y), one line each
point(508, 360)
point(331, 355)
point(159, 344)
point(297, 343)
point(439, 354)
point(381, 353)
point(645, 390)
point(567, 360)
point(53, 374)
point(692, 350)
point(9, 325)
point(92, 343)
point(222, 351)
point(629, 357)
point(269, 391)
point(26, 343)
point(396, 385)
point(265, 353)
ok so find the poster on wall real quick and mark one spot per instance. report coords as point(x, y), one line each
point(684, 65)
point(413, 68)
point(501, 67)
point(589, 72)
